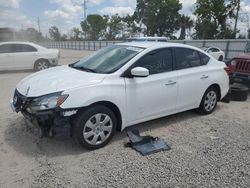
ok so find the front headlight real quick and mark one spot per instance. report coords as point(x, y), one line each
point(47, 102)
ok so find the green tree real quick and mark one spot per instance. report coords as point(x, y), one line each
point(64, 37)
point(93, 27)
point(184, 23)
point(159, 16)
point(130, 26)
point(76, 34)
point(114, 26)
point(213, 14)
point(205, 29)
point(54, 33)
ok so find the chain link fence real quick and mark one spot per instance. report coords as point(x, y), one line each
point(231, 47)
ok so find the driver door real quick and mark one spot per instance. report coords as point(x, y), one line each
point(153, 96)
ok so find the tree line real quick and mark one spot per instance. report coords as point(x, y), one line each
point(213, 20)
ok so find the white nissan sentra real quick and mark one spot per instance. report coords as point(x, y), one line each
point(26, 55)
point(119, 86)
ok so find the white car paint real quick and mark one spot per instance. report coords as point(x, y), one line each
point(140, 98)
point(14, 60)
point(215, 52)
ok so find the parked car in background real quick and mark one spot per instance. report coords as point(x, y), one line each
point(215, 52)
point(119, 86)
point(240, 68)
point(149, 39)
point(26, 55)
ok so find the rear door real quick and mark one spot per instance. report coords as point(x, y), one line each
point(25, 56)
point(193, 77)
point(155, 95)
point(6, 57)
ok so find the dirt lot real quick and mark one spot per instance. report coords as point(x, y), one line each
point(207, 151)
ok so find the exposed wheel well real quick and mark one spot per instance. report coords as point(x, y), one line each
point(115, 109)
point(218, 89)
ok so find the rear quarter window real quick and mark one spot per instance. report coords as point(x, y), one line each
point(204, 58)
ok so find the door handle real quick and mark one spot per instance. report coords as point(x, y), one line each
point(204, 77)
point(170, 82)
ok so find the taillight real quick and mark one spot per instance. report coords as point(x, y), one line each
point(229, 70)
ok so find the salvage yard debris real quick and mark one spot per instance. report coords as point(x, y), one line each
point(146, 145)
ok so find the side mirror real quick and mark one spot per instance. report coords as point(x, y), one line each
point(139, 72)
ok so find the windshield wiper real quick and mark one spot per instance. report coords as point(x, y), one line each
point(84, 69)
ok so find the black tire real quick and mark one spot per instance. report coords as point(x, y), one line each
point(87, 117)
point(204, 105)
point(41, 64)
point(220, 58)
point(239, 92)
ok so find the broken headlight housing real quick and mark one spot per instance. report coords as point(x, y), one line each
point(47, 102)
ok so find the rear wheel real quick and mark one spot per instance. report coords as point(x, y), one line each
point(41, 65)
point(94, 127)
point(209, 101)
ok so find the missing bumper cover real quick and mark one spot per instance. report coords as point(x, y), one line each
point(146, 145)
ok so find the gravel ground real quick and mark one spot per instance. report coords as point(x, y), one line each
point(207, 151)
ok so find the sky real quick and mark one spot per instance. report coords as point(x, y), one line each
point(66, 14)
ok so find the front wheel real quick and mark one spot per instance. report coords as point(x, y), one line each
point(209, 101)
point(94, 128)
point(41, 65)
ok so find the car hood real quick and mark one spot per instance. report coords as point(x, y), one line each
point(56, 79)
point(243, 56)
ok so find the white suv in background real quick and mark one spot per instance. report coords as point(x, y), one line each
point(26, 55)
point(119, 86)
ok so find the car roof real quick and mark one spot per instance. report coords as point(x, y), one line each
point(16, 42)
point(155, 45)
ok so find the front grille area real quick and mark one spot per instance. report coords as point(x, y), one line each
point(242, 66)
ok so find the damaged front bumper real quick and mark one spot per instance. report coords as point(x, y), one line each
point(47, 120)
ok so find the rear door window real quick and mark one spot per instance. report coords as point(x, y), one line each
point(187, 58)
point(24, 48)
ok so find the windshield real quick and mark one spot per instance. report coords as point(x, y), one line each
point(107, 60)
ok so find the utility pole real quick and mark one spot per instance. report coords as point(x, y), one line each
point(236, 19)
point(85, 9)
point(38, 24)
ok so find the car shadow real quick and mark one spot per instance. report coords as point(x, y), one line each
point(23, 139)
point(159, 123)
